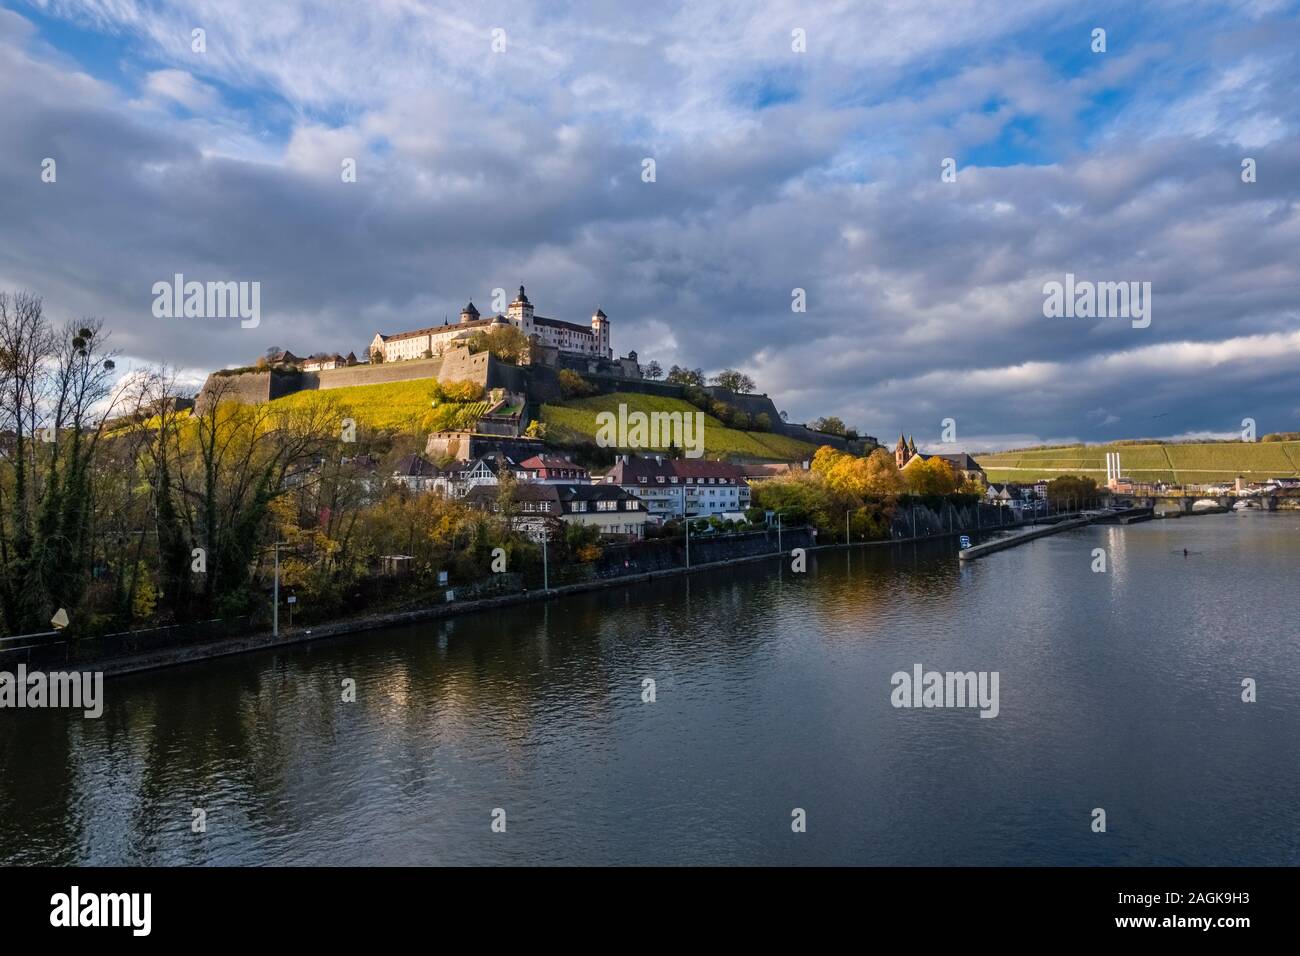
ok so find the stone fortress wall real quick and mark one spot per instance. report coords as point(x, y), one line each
point(539, 382)
point(456, 365)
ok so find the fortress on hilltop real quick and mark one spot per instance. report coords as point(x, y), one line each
point(568, 338)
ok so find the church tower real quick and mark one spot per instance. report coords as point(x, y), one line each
point(900, 452)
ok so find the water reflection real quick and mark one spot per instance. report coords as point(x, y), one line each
point(1118, 689)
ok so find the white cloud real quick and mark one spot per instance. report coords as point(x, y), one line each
point(178, 86)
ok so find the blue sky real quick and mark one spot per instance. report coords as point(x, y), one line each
point(776, 170)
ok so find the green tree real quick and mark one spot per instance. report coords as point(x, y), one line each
point(506, 342)
point(686, 376)
point(1073, 489)
point(734, 381)
point(829, 425)
point(573, 385)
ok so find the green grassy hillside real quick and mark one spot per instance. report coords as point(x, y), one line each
point(401, 406)
point(575, 421)
point(1183, 464)
point(406, 407)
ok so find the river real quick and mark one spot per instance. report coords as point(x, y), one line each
point(1119, 690)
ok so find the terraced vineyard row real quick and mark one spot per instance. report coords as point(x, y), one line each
point(1189, 463)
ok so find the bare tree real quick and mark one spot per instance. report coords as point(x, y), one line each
point(53, 384)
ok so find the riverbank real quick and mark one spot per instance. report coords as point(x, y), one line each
point(113, 666)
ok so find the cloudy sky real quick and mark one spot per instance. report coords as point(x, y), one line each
point(775, 169)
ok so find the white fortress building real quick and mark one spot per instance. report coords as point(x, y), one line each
point(565, 336)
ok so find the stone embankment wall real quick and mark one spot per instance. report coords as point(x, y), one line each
point(159, 647)
point(665, 553)
point(920, 521)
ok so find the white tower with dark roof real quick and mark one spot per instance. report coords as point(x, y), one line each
point(520, 312)
point(600, 332)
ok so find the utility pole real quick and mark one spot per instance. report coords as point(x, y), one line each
point(275, 610)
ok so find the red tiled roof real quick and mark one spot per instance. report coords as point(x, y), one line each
point(549, 461)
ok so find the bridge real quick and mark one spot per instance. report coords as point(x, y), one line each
point(1184, 502)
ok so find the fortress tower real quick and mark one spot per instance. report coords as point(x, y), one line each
point(600, 332)
point(520, 312)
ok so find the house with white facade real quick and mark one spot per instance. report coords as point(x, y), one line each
point(615, 512)
point(455, 479)
point(678, 487)
point(323, 362)
point(556, 469)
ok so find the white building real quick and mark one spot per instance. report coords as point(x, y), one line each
point(613, 511)
point(566, 336)
point(457, 478)
point(674, 487)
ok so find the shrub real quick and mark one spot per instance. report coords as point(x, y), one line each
point(573, 385)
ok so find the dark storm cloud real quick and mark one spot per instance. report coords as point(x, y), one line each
point(924, 298)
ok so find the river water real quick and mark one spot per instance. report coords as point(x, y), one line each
point(1118, 690)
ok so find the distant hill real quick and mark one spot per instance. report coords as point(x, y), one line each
point(574, 422)
point(1180, 463)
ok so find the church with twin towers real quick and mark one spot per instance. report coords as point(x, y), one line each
point(567, 337)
